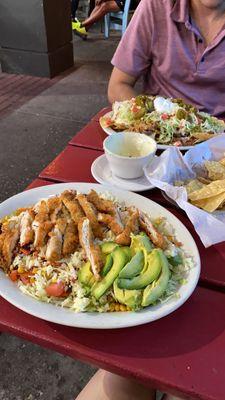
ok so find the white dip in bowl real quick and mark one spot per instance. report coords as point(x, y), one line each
point(128, 152)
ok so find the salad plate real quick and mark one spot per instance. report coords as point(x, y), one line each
point(110, 131)
point(10, 291)
point(170, 122)
point(100, 170)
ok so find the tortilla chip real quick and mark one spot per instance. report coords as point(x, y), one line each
point(179, 183)
point(202, 135)
point(215, 170)
point(206, 181)
point(213, 189)
point(211, 204)
point(222, 161)
point(193, 185)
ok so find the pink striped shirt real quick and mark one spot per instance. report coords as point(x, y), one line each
point(164, 46)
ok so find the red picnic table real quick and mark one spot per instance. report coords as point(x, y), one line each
point(182, 353)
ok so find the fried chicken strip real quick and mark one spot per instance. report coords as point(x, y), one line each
point(155, 236)
point(72, 205)
point(91, 214)
point(2, 262)
point(131, 227)
point(54, 205)
point(71, 239)
point(113, 222)
point(26, 231)
point(41, 224)
point(54, 245)
point(105, 206)
point(92, 250)
point(10, 240)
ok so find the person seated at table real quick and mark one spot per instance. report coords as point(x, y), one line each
point(107, 386)
point(102, 7)
point(178, 48)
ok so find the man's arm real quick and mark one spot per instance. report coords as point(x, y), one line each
point(121, 86)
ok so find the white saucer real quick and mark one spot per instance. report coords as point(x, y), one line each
point(102, 173)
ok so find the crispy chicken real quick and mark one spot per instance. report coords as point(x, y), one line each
point(71, 239)
point(10, 240)
point(155, 236)
point(112, 222)
point(131, 227)
point(26, 231)
point(54, 245)
point(102, 205)
point(93, 251)
point(72, 205)
point(91, 214)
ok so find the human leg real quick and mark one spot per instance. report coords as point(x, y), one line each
point(74, 7)
point(107, 386)
point(99, 12)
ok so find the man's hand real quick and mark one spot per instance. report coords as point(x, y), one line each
point(121, 86)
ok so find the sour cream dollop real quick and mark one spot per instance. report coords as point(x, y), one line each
point(162, 105)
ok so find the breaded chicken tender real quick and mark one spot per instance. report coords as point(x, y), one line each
point(41, 230)
point(54, 205)
point(72, 205)
point(10, 240)
point(26, 231)
point(54, 245)
point(71, 239)
point(132, 226)
point(105, 206)
point(155, 236)
point(93, 251)
point(91, 214)
point(111, 221)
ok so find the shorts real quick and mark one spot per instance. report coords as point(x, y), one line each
point(121, 4)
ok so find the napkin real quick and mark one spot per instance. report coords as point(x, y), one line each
point(172, 166)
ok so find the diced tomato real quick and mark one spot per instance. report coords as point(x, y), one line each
point(14, 275)
point(164, 116)
point(135, 108)
point(108, 121)
point(25, 279)
point(177, 143)
point(55, 289)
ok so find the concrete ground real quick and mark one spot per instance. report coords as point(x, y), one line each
point(30, 138)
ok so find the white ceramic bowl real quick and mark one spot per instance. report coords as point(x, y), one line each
point(128, 153)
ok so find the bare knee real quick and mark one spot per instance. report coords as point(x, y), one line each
point(125, 388)
point(104, 8)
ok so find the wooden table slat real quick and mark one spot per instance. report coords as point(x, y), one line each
point(73, 164)
point(91, 136)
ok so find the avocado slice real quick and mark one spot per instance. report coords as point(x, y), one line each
point(139, 242)
point(134, 267)
point(108, 247)
point(85, 275)
point(156, 289)
point(127, 251)
point(151, 272)
point(131, 298)
point(176, 260)
point(108, 265)
point(119, 260)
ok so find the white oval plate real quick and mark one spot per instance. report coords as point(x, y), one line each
point(110, 131)
point(101, 172)
point(63, 316)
